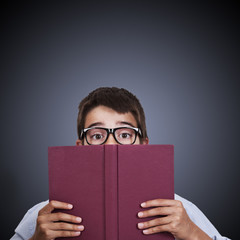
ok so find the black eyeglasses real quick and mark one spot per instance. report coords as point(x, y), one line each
point(99, 135)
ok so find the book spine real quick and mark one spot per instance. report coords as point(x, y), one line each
point(111, 192)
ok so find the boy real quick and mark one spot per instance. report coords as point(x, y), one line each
point(115, 116)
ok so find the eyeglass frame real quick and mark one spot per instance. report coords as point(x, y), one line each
point(110, 131)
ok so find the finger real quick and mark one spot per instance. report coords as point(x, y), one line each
point(67, 234)
point(56, 234)
point(157, 229)
point(155, 222)
point(55, 217)
point(54, 205)
point(160, 202)
point(65, 226)
point(156, 212)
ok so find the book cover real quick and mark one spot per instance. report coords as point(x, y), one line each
point(107, 183)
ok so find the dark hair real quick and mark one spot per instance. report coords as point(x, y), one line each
point(118, 99)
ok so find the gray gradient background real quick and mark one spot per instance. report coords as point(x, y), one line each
point(182, 62)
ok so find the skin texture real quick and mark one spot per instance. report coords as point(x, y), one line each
point(176, 220)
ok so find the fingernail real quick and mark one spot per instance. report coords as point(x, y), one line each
point(145, 231)
point(140, 225)
point(143, 204)
point(78, 219)
point(81, 227)
point(140, 214)
point(77, 233)
point(70, 206)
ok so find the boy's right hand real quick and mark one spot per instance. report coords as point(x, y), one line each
point(54, 225)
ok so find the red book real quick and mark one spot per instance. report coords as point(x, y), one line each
point(107, 183)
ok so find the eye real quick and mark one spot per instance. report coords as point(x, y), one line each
point(125, 135)
point(96, 136)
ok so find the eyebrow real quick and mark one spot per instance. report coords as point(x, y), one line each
point(97, 124)
point(126, 123)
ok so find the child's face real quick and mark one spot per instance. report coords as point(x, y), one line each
point(102, 116)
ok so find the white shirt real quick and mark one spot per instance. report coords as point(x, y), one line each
point(26, 227)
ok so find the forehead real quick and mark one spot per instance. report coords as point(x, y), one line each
point(107, 117)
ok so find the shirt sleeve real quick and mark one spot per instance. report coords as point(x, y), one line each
point(200, 219)
point(26, 227)
point(16, 237)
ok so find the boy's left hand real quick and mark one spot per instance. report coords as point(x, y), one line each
point(174, 219)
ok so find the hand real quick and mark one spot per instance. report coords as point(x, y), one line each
point(174, 220)
point(53, 225)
